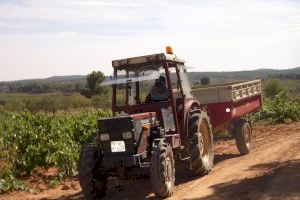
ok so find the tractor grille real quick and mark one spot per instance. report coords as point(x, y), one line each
point(115, 127)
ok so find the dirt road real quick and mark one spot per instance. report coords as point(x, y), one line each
point(270, 171)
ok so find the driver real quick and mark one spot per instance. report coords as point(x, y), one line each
point(159, 92)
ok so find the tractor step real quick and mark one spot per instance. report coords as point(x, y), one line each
point(183, 158)
point(139, 157)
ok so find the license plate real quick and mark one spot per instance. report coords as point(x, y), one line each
point(117, 146)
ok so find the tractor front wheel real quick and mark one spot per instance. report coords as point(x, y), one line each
point(92, 178)
point(162, 171)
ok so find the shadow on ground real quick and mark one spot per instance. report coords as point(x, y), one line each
point(282, 181)
point(141, 189)
point(225, 156)
point(121, 189)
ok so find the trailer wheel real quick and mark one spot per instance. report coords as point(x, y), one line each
point(92, 178)
point(200, 143)
point(243, 136)
point(162, 170)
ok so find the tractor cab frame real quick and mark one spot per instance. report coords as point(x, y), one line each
point(171, 114)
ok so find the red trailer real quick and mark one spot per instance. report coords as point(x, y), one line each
point(227, 104)
point(230, 101)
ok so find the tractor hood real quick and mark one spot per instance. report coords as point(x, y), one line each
point(116, 125)
point(119, 149)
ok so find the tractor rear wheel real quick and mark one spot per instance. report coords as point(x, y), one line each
point(162, 170)
point(92, 178)
point(200, 143)
point(243, 135)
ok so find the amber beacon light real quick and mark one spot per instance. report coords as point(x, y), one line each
point(169, 50)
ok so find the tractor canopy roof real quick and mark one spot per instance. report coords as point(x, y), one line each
point(147, 61)
point(141, 68)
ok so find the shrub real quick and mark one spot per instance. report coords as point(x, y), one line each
point(8, 182)
point(280, 109)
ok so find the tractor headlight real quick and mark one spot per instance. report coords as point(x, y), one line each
point(104, 137)
point(127, 135)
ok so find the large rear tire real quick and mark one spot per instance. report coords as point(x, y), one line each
point(162, 170)
point(200, 143)
point(92, 178)
point(243, 136)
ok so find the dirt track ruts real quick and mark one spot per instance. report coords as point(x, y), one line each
point(270, 171)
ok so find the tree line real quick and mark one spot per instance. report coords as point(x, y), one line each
point(40, 87)
point(286, 76)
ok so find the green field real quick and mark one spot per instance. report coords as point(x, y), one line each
point(47, 129)
point(51, 102)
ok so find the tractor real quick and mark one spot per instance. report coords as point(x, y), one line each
point(149, 131)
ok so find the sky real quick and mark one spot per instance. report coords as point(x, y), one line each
point(42, 38)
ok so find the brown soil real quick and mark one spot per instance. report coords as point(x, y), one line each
point(270, 171)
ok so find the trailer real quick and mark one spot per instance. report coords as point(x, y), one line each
point(228, 102)
point(227, 105)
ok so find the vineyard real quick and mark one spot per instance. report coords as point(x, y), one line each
point(44, 140)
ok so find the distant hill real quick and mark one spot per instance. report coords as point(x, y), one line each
point(243, 75)
point(50, 79)
point(74, 83)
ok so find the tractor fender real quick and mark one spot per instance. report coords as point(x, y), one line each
point(157, 143)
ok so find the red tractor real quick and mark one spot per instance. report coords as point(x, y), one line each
point(158, 118)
